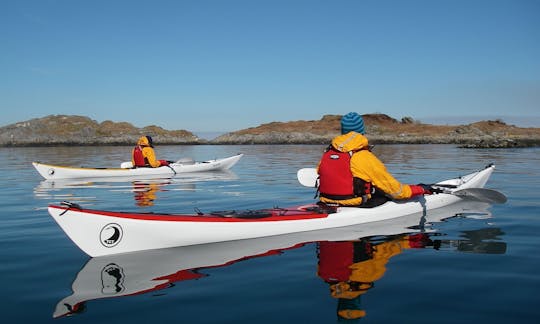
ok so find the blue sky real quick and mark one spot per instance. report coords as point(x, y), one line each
point(232, 64)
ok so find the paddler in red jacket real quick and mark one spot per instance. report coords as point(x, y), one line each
point(351, 175)
point(143, 154)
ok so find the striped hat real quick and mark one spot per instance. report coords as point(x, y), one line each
point(352, 122)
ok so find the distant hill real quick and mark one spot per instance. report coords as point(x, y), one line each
point(80, 130)
point(380, 128)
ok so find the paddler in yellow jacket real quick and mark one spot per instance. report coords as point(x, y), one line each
point(351, 175)
point(143, 154)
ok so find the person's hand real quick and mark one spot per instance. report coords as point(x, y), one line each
point(163, 162)
point(429, 190)
point(423, 189)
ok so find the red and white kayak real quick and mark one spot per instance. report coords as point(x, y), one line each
point(99, 232)
point(129, 274)
point(51, 172)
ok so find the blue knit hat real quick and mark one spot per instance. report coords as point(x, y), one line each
point(150, 141)
point(352, 122)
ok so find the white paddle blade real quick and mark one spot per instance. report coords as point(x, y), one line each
point(308, 177)
point(186, 161)
point(126, 165)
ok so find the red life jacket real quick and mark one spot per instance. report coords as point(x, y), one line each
point(335, 177)
point(138, 157)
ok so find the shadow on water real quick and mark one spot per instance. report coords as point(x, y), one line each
point(349, 260)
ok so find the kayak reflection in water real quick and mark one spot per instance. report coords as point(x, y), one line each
point(349, 267)
point(352, 267)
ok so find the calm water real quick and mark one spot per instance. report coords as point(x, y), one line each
point(480, 266)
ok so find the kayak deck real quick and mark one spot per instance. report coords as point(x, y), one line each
point(311, 211)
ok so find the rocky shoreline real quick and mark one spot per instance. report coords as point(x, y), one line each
point(382, 129)
point(67, 130)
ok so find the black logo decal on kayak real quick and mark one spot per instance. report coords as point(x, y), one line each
point(334, 156)
point(51, 171)
point(112, 279)
point(110, 235)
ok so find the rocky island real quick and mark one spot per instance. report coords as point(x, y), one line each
point(79, 130)
point(380, 129)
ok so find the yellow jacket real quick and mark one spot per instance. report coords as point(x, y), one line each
point(147, 152)
point(366, 166)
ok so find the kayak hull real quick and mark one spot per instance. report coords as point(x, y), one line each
point(150, 271)
point(100, 233)
point(51, 172)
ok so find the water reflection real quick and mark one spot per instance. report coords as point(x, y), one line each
point(145, 191)
point(350, 260)
point(351, 268)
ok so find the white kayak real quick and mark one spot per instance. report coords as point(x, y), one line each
point(130, 274)
point(51, 172)
point(99, 232)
